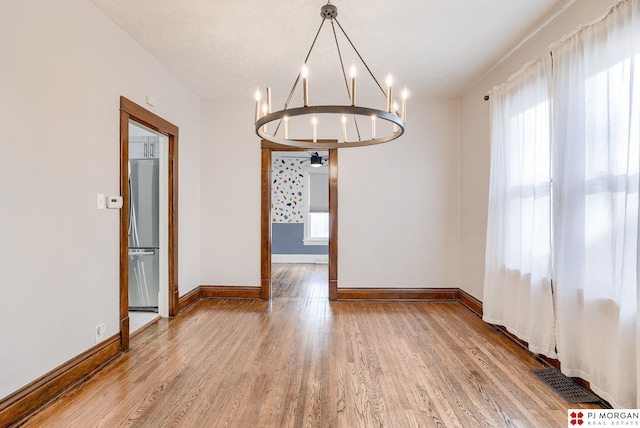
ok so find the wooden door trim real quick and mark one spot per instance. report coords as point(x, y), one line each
point(131, 111)
point(333, 224)
point(265, 218)
point(265, 226)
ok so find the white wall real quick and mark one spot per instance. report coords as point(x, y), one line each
point(64, 67)
point(398, 202)
point(230, 194)
point(475, 137)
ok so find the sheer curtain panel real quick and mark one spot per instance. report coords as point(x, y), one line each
point(517, 284)
point(596, 92)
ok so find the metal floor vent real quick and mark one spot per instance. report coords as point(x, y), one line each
point(565, 387)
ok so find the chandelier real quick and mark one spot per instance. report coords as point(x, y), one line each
point(273, 126)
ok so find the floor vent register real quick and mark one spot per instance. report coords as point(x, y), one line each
point(565, 387)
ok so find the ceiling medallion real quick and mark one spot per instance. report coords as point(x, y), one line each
point(274, 126)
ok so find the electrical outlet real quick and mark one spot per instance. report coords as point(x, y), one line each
point(100, 330)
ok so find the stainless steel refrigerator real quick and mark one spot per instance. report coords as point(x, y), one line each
point(144, 207)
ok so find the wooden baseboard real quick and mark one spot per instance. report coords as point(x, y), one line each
point(227, 292)
point(24, 402)
point(245, 292)
point(189, 299)
point(217, 292)
point(397, 293)
point(470, 302)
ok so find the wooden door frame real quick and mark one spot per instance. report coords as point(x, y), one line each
point(265, 217)
point(131, 111)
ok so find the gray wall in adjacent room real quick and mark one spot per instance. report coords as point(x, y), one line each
point(286, 238)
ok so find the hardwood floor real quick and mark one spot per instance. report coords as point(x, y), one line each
point(300, 360)
point(299, 281)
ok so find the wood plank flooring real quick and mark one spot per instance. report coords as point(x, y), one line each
point(302, 361)
point(299, 281)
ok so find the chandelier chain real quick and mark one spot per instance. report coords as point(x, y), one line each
point(344, 74)
point(305, 61)
point(286, 104)
point(360, 56)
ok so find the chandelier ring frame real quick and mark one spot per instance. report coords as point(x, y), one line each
point(329, 109)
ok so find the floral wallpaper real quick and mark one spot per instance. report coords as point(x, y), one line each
point(287, 189)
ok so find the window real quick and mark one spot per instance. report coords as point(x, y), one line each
point(528, 178)
point(592, 95)
point(318, 226)
point(517, 290)
point(316, 204)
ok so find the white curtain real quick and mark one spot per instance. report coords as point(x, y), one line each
point(596, 116)
point(517, 285)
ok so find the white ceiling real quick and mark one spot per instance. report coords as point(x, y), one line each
point(223, 48)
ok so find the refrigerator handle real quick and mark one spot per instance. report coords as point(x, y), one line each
point(130, 205)
point(142, 252)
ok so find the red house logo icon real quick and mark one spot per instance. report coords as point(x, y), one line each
point(576, 418)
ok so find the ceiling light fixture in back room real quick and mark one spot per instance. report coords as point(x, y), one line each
point(346, 120)
point(316, 160)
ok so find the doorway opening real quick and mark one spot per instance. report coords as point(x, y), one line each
point(147, 226)
point(299, 224)
point(148, 218)
point(274, 152)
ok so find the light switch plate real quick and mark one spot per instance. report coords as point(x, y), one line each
point(101, 201)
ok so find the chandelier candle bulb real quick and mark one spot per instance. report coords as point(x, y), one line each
point(353, 85)
point(389, 94)
point(314, 122)
point(395, 111)
point(258, 104)
point(286, 128)
point(305, 85)
point(264, 112)
point(269, 100)
point(373, 127)
point(344, 128)
point(405, 95)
